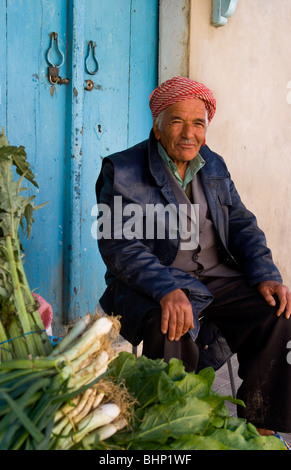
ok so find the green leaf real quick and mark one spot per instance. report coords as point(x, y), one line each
point(18, 158)
point(193, 385)
point(209, 375)
point(176, 369)
point(246, 438)
point(167, 390)
point(178, 410)
point(28, 215)
point(173, 420)
point(15, 209)
point(23, 418)
point(123, 365)
point(194, 442)
point(140, 375)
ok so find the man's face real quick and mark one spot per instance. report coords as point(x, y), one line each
point(183, 130)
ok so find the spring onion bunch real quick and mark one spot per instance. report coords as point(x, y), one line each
point(21, 329)
point(64, 400)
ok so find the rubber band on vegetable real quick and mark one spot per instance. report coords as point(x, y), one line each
point(20, 336)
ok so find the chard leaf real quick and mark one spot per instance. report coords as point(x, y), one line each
point(180, 411)
point(209, 375)
point(140, 375)
point(145, 445)
point(242, 439)
point(123, 365)
point(217, 402)
point(193, 385)
point(167, 390)
point(176, 370)
point(195, 442)
point(173, 420)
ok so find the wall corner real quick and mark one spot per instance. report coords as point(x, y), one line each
point(174, 38)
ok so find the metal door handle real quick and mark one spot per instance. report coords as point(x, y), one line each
point(91, 62)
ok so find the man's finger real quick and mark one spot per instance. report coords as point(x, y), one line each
point(268, 297)
point(285, 306)
point(172, 327)
point(179, 327)
point(165, 320)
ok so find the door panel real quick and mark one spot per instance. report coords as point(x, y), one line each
point(143, 68)
point(33, 114)
point(116, 115)
point(104, 131)
point(67, 131)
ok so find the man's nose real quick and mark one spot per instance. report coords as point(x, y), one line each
point(188, 131)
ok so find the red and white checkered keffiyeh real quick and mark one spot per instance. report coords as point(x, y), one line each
point(180, 89)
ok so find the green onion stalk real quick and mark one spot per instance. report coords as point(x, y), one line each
point(22, 332)
point(59, 401)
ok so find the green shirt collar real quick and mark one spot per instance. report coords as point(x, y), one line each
point(194, 166)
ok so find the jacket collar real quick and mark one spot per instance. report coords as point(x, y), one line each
point(155, 161)
point(158, 171)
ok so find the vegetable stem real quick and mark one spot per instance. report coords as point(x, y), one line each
point(76, 331)
point(17, 341)
point(5, 353)
point(19, 301)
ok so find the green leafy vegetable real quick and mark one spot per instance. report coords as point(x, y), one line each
point(178, 410)
point(19, 315)
point(62, 401)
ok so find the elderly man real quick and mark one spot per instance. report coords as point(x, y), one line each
point(162, 288)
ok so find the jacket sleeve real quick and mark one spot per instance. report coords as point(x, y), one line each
point(247, 243)
point(131, 260)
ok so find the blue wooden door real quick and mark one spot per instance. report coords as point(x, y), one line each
point(67, 130)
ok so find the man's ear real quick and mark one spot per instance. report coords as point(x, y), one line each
point(156, 131)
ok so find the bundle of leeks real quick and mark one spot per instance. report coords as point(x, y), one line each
point(64, 400)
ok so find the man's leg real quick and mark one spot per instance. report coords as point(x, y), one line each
point(253, 331)
point(156, 344)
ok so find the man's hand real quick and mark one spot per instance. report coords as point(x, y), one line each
point(270, 288)
point(177, 315)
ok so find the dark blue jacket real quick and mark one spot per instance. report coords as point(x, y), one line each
point(138, 273)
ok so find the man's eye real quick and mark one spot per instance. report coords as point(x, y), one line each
point(199, 124)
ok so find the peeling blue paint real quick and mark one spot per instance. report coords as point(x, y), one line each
point(67, 130)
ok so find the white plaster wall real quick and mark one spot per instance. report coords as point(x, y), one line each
point(174, 38)
point(247, 64)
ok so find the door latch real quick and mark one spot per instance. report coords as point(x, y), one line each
point(55, 79)
point(55, 58)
